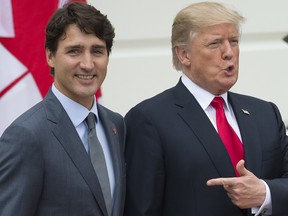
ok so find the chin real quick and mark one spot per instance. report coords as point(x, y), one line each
point(230, 82)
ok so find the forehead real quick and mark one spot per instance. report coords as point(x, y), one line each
point(74, 35)
point(224, 29)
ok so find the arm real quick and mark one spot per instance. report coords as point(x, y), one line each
point(277, 182)
point(279, 186)
point(20, 172)
point(145, 167)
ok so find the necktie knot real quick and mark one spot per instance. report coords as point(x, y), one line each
point(217, 102)
point(90, 120)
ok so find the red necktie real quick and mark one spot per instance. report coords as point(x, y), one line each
point(230, 139)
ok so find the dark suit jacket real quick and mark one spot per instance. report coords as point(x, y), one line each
point(172, 149)
point(45, 170)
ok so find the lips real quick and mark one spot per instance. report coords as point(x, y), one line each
point(85, 77)
point(230, 68)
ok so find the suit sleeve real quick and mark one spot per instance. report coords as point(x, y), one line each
point(20, 172)
point(279, 186)
point(145, 166)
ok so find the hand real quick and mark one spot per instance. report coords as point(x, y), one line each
point(246, 191)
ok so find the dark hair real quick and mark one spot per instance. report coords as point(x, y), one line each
point(86, 17)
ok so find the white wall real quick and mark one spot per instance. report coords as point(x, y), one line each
point(141, 65)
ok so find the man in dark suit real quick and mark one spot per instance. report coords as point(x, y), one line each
point(45, 168)
point(177, 164)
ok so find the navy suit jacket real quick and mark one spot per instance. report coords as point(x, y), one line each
point(172, 149)
point(45, 170)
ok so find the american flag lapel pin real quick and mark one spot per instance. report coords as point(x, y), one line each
point(245, 112)
point(114, 130)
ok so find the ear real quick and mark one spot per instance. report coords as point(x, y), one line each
point(49, 58)
point(183, 56)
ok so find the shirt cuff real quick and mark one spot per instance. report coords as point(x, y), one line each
point(266, 207)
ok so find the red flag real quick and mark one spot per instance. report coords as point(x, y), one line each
point(24, 73)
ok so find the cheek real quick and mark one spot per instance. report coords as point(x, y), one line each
point(102, 66)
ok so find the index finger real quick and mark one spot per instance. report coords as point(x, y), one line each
point(220, 182)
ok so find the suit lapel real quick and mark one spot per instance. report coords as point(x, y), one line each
point(113, 142)
point(249, 133)
point(194, 116)
point(63, 129)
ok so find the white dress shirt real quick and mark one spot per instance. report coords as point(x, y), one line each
point(77, 113)
point(204, 98)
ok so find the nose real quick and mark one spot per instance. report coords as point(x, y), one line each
point(227, 51)
point(87, 62)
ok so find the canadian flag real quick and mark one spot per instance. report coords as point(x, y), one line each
point(24, 73)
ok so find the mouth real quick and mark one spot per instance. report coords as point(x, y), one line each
point(230, 68)
point(85, 77)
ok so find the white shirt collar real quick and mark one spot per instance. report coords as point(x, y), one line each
point(203, 97)
point(76, 112)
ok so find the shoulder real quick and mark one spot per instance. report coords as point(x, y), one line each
point(35, 115)
point(247, 99)
point(167, 99)
point(112, 116)
point(27, 118)
point(157, 102)
point(259, 106)
point(109, 113)
point(26, 129)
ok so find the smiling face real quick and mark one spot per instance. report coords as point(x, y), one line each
point(211, 60)
point(80, 65)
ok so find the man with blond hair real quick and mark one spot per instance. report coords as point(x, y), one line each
point(198, 149)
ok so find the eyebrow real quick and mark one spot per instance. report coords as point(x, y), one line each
point(99, 46)
point(78, 46)
point(73, 47)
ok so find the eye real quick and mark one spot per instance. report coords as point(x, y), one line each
point(99, 51)
point(214, 44)
point(234, 42)
point(73, 51)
